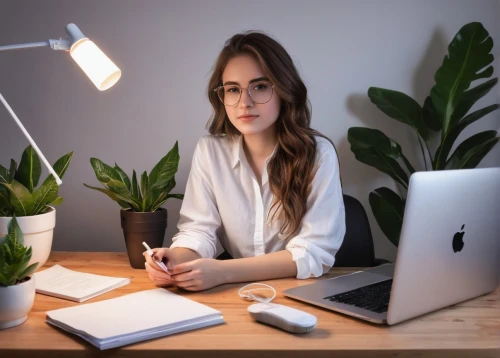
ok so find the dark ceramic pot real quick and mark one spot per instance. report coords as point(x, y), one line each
point(138, 227)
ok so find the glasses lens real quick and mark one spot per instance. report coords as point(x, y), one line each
point(229, 94)
point(261, 92)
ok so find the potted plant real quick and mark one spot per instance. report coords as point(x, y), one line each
point(33, 207)
point(142, 218)
point(443, 113)
point(17, 285)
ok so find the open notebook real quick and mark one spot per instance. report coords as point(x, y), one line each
point(76, 286)
point(133, 318)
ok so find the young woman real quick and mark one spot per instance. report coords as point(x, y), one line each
point(263, 183)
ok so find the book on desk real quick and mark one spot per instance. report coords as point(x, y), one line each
point(75, 286)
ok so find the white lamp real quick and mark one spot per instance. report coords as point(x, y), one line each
point(95, 64)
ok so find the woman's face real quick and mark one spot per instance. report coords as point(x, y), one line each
point(248, 117)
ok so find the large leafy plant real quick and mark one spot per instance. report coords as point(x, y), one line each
point(14, 257)
point(148, 195)
point(444, 112)
point(19, 194)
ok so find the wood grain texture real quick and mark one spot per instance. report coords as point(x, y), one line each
point(469, 329)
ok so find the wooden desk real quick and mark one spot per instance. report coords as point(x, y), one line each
point(470, 329)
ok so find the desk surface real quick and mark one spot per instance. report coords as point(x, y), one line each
point(470, 329)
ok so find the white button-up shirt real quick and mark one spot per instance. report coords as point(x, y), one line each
point(224, 201)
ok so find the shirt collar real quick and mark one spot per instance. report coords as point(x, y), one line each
point(237, 151)
point(239, 157)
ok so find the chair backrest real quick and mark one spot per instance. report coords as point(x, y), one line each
point(357, 249)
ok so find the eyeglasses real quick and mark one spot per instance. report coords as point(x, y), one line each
point(260, 92)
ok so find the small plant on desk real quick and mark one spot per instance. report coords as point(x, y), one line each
point(33, 204)
point(17, 287)
point(142, 217)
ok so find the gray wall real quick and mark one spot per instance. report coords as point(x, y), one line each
point(166, 49)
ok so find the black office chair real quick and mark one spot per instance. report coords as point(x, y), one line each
point(357, 250)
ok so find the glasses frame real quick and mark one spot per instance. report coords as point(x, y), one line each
point(248, 91)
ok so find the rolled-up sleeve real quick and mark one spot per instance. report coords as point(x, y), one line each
point(323, 226)
point(199, 217)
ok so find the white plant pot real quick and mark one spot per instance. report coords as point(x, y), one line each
point(38, 231)
point(15, 303)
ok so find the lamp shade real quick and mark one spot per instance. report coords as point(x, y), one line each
point(96, 65)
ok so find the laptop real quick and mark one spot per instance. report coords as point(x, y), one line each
point(449, 252)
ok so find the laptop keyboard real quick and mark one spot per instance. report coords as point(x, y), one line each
point(374, 297)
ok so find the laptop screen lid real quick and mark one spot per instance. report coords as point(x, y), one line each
point(449, 248)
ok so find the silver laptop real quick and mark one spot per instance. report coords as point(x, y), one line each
point(449, 252)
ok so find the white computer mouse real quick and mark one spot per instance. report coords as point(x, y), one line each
point(287, 318)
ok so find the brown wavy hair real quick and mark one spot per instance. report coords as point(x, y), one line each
point(292, 167)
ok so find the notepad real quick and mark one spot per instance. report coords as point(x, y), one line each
point(72, 285)
point(133, 318)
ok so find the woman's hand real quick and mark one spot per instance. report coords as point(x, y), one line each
point(156, 274)
point(197, 275)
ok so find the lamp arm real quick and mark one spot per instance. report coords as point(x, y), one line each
point(13, 115)
point(61, 44)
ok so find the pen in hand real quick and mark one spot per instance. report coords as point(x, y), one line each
point(159, 263)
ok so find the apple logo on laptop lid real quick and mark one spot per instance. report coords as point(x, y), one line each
point(458, 240)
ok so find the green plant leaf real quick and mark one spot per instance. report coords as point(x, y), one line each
point(45, 194)
point(20, 198)
point(385, 164)
point(15, 235)
point(400, 107)
point(449, 139)
point(124, 202)
point(16, 269)
point(468, 54)
point(56, 201)
point(136, 192)
point(12, 170)
point(366, 138)
point(123, 176)
point(388, 209)
point(62, 164)
point(408, 164)
point(14, 257)
point(3, 279)
point(176, 196)
point(472, 150)
point(430, 116)
point(104, 172)
point(4, 175)
point(374, 148)
point(156, 196)
point(470, 97)
point(144, 189)
point(166, 168)
point(29, 170)
point(118, 187)
point(5, 201)
point(28, 271)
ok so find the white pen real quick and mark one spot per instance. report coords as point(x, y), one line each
point(151, 253)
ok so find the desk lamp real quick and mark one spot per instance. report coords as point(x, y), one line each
point(97, 66)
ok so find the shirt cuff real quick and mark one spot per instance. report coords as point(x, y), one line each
point(310, 259)
point(198, 246)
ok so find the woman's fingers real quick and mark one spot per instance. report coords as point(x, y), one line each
point(159, 281)
point(150, 262)
point(182, 277)
point(186, 284)
point(158, 255)
point(184, 267)
point(157, 274)
point(164, 255)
